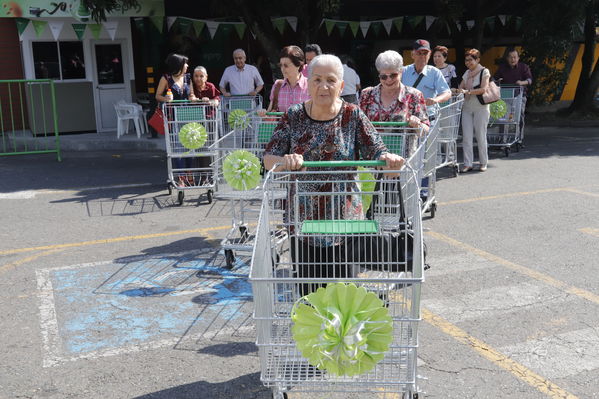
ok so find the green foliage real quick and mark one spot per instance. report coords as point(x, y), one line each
point(547, 39)
point(99, 8)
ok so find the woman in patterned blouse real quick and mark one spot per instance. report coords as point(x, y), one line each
point(321, 129)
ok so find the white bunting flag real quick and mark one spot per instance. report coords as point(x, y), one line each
point(429, 20)
point(470, 24)
point(55, 28)
point(111, 27)
point(503, 18)
point(212, 27)
point(169, 22)
point(388, 23)
point(292, 22)
point(364, 26)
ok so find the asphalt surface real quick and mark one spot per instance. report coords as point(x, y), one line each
point(109, 289)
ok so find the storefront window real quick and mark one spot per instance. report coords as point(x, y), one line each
point(60, 61)
point(109, 64)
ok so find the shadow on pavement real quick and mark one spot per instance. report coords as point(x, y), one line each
point(230, 349)
point(245, 387)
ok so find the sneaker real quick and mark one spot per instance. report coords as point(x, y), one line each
point(483, 168)
point(466, 169)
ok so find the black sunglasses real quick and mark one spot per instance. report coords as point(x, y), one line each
point(384, 76)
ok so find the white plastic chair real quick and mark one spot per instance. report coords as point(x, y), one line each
point(126, 112)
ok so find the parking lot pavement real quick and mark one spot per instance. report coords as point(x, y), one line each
point(109, 289)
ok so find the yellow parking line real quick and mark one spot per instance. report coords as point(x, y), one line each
point(574, 190)
point(25, 260)
point(590, 230)
point(519, 268)
point(507, 195)
point(204, 230)
point(519, 371)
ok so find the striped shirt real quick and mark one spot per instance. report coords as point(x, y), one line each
point(289, 95)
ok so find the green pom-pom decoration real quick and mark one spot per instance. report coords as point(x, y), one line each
point(498, 109)
point(241, 170)
point(342, 329)
point(366, 183)
point(238, 119)
point(193, 135)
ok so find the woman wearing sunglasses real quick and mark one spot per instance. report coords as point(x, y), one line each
point(390, 100)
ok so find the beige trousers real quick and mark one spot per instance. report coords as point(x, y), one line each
point(475, 118)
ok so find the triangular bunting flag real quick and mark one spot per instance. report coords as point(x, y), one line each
point(364, 26)
point(198, 26)
point(56, 28)
point(490, 22)
point(39, 26)
point(354, 27)
point(503, 18)
point(329, 24)
point(79, 30)
point(376, 27)
point(416, 20)
point(342, 26)
point(212, 28)
point(388, 23)
point(398, 22)
point(158, 23)
point(240, 28)
point(292, 22)
point(111, 28)
point(470, 24)
point(429, 20)
point(519, 24)
point(184, 25)
point(169, 22)
point(458, 25)
point(95, 29)
point(279, 24)
point(21, 24)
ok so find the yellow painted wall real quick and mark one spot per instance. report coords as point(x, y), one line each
point(570, 89)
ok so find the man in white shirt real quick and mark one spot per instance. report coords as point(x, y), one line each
point(351, 82)
point(242, 79)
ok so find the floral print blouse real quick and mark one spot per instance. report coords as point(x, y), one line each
point(347, 136)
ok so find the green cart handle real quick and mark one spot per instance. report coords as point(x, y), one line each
point(390, 123)
point(274, 113)
point(342, 164)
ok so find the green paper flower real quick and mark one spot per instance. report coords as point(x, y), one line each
point(343, 329)
point(241, 170)
point(498, 109)
point(238, 119)
point(366, 183)
point(193, 135)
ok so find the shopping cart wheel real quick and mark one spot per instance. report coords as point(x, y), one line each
point(243, 231)
point(433, 209)
point(169, 187)
point(229, 258)
point(180, 197)
point(507, 151)
point(518, 146)
point(456, 170)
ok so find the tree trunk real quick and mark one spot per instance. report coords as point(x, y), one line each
point(583, 99)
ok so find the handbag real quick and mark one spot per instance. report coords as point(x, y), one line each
point(491, 94)
point(156, 121)
point(393, 250)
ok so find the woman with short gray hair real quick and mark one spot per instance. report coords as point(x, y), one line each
point(390, 100)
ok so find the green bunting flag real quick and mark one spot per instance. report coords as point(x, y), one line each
point(329, 25)
point(39, 26)
point(279, 24)
point(158, 23)
point(342, 26)
point(225, 29)
point(398, 22)
point(240, 28)
point(184, 25)
point(198, 27)
point(416, 20)
point(354, 26)
point(490, 22)
point(79, 30)
point(21, 24)
point(95, 29)
point(518, 24)
point(376, 27)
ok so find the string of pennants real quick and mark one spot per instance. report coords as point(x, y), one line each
point(56, 27)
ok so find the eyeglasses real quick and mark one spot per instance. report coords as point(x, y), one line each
point(384, 76)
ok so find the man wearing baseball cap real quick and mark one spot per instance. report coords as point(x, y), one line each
point(426, 78)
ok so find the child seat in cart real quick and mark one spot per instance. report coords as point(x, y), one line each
point(334, 242)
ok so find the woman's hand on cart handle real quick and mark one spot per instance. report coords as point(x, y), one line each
point(261, 113)
point(293, 161)
point(286, 162)
point(393, 161)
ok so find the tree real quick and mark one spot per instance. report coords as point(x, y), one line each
point(588, 82)
point(99, 8)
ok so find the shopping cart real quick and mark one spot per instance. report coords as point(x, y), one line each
point(449, 117)
point(251, 134)
point(428, 192)
point(235, 107)
point(278, 284)
point(184, 158)
point(506, 130)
